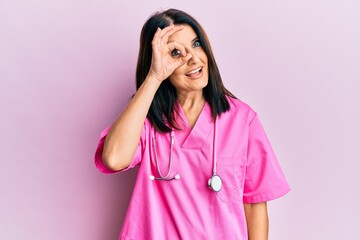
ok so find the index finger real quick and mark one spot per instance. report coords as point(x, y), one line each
point(166, 35)
point(160, 32)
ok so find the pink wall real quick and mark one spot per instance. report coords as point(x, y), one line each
point(67, 69)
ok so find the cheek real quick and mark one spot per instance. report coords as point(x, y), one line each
point(201, 53)
point(178, 73)
point(174, 78)
point(205, 59)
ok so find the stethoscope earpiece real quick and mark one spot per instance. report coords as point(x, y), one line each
point(176, 177)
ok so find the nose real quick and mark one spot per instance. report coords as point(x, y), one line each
point(194, 58)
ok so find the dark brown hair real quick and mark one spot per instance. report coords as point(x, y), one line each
point(161, 112)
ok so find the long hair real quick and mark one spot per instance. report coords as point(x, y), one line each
point(161, 112)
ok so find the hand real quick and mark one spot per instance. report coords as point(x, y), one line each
point(163, 63)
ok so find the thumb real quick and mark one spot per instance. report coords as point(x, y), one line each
point(183, 60)
point(186, 58)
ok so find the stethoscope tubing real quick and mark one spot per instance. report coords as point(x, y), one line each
point(170, 157)
point(214, 183)
point(215, 147)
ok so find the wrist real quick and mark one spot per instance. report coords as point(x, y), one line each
point(153, 77)
point(153, 80)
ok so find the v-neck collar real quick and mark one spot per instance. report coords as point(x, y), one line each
point(194, 138)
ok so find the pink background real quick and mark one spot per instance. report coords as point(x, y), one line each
point(67, 69)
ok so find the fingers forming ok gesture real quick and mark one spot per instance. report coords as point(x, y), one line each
point(166, 57)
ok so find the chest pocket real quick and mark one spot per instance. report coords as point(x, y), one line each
point(231, 171)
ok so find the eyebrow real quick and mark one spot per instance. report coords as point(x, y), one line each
point(196, 38)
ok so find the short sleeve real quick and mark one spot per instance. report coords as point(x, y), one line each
point(264, 178)
point(136, 159)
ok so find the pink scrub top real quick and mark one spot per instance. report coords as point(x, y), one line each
point(187, 208)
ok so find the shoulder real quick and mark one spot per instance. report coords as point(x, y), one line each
point(240, 110)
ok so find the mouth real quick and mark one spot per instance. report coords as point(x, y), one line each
point(194, 73)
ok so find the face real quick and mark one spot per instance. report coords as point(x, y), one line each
point(192, 76)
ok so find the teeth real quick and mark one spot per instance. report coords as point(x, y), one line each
point(194, 71)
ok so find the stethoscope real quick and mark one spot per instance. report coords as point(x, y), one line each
point(214, 183)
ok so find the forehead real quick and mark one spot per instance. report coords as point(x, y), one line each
point(186, 35)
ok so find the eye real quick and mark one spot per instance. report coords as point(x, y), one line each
point(197, 44)
point(175, 53)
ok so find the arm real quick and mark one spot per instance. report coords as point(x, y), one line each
point(124, 135)
point(257, 220)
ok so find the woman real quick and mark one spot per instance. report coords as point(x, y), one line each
point(206, 168)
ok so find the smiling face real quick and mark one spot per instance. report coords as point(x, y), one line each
point(193, 76)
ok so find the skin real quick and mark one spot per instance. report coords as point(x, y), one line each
point(189, 89)
point(124, 135)
point(176, 52)
point(257, 220)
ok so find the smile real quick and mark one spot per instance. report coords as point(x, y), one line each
point(194, 73)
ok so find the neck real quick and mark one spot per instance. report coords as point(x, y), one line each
point(192, 105)
point(189, 101)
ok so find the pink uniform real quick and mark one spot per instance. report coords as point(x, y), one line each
point(187, 208)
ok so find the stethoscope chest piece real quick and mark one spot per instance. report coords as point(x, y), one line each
point(215, 183)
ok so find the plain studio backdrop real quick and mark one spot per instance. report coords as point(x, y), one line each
point(67, 69)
